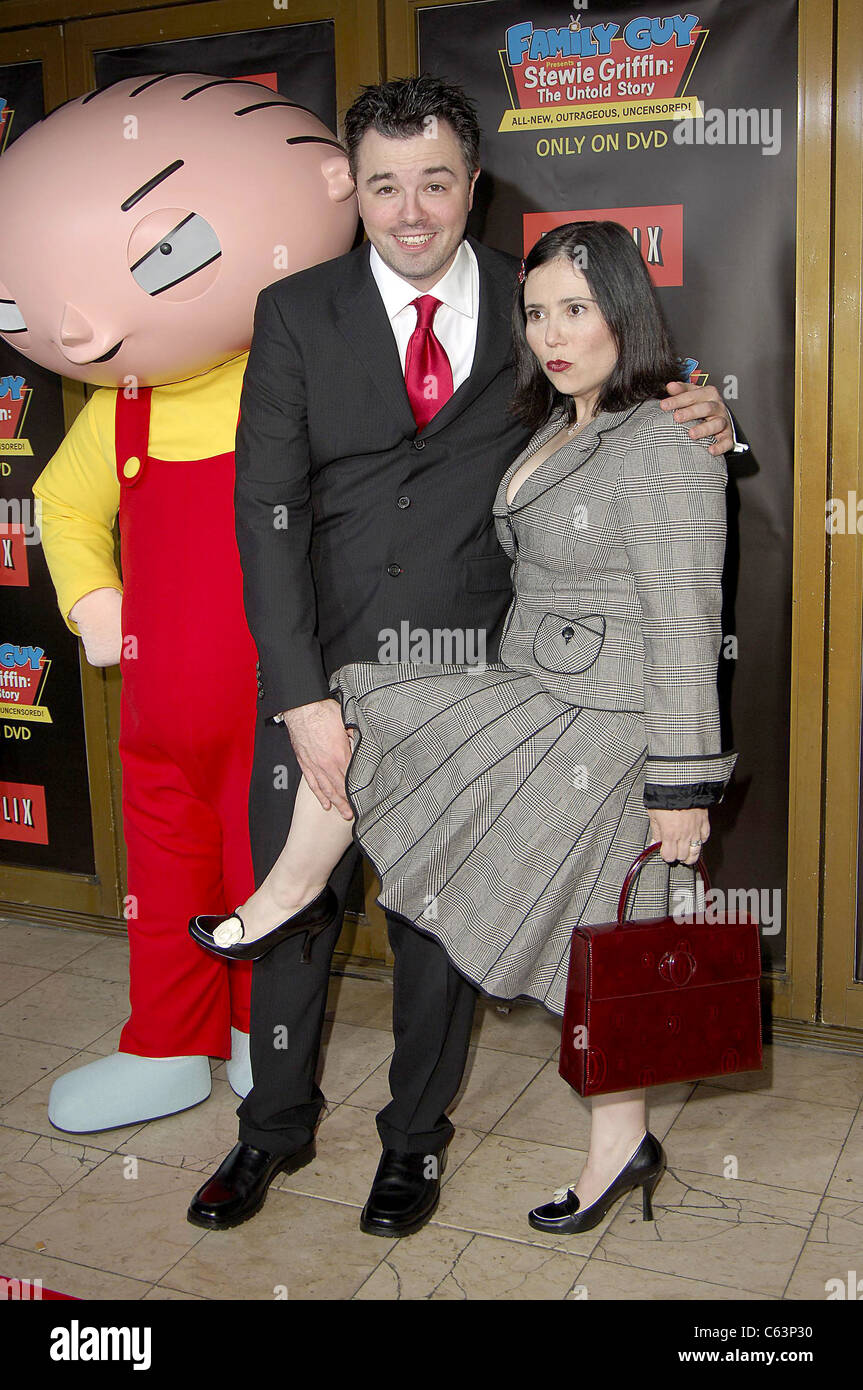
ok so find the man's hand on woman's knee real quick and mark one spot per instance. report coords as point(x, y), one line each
point(323, 749)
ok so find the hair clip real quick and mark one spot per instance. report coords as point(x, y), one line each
point(521, 274)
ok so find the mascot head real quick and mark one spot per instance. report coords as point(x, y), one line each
point(141, 221)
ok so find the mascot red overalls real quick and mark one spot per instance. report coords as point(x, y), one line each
point(140, 222)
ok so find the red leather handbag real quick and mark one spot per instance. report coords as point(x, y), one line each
point(657, 1001)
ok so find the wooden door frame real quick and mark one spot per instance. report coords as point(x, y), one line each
point(799, 987)
point(841, 994)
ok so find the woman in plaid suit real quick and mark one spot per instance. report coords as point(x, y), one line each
point(502, 804)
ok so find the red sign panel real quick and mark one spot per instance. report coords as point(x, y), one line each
point(13, 406)
point(23, 815)
point(264, 79)
point(657, 232)
point(13, 556)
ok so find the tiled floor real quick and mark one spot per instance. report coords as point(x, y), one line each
point(763, 1198)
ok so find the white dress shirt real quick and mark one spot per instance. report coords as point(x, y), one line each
point(455, 321)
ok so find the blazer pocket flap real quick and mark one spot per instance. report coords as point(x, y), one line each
point(484, 573)
point(568, 645)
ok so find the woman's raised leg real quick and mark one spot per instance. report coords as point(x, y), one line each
point(316, 842)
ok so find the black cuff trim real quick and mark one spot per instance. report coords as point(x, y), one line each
point(683, 798)
point(691, 757)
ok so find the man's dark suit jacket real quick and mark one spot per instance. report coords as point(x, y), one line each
point(349, 521)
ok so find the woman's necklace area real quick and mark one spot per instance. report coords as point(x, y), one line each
point(573, 429)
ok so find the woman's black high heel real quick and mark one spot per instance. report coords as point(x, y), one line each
point(312, 919)
point(564, 1215)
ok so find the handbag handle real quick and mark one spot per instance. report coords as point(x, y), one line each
point(637, 865)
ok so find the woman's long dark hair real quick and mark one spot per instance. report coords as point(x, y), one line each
point(617, 276)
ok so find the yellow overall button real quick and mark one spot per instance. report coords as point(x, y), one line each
point(131, 467)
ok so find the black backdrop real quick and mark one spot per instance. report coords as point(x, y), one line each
point(728, 294)
point(299, 62)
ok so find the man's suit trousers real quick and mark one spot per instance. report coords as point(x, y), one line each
point(433, 1005)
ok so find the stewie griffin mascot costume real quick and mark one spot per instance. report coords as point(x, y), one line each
point(140, 222)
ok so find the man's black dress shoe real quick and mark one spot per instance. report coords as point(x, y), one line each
point(404, 1194)
point(238, 1188)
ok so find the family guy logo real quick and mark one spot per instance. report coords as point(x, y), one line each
point(600, 74)
point(23, 672)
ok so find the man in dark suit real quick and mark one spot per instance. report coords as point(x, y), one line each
point(374, 431)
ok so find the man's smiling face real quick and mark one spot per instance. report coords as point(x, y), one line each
point(414, 196)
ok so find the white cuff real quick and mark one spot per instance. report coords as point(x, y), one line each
point(738, 447)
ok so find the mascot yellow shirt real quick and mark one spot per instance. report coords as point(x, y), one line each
point(78, 489)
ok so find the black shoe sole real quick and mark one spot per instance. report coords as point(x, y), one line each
point(292, 1164)
point(392, 1230)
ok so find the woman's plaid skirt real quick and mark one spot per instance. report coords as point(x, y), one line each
point(496, 817)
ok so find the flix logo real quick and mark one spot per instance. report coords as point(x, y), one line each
point(23, 816)
point(656, 231)
point(13, 556)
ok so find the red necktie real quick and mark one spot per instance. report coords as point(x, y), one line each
point(428, 374)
